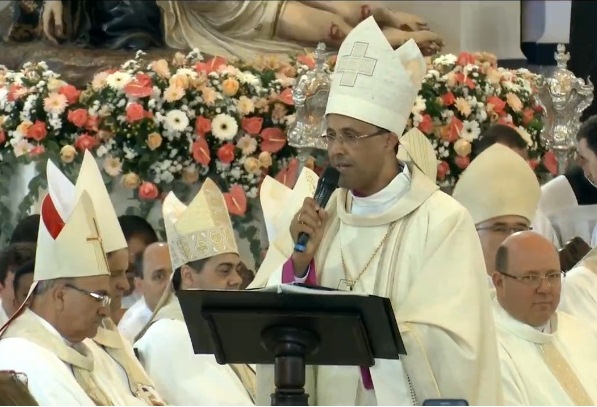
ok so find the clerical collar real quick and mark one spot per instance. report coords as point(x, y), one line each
point(397, 188)
point(51, 328)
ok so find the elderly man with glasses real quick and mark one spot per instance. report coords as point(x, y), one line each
point(547, 357)
point(501, 192)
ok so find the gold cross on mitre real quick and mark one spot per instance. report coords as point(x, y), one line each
point(98, 241)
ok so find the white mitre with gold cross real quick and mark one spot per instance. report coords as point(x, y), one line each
point(90, 180)
point(374, 83)
point(279, 213)
point(201, 230)
point(498, 182)
point(416, 148)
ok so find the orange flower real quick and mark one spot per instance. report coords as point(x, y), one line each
point(38, 131)
point(85, 142)
point(134, 112)
point(71, 93)
point(274, 139)
point(286, 97)
point(202, 126)
point(226, 153)
point(426, 125)
point(201, 152)
point(236, 200)
point(148, 191)
point(230, 87)
point(252, 125)
point(78, 117)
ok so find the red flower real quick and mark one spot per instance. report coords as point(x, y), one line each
point(15, 92)
point(144, 80)
point(527, 116)
point(288, 175)
point(252, 125)
point(37, 131)
point(2, 137)
point(134, 112)
point(202, 126)
point(498, 104)
point(465, 59)
point(464, 80)
point(71, 93)
point(451, 132)
point(92, 123)
point(136, 90)
point(226, 153)
point(210, 65)
point(462, 162)
point(306, 60)
point(442, 169)
point(37, 151)
point(78, 117)
point(448, 99)
point(426, 125)
point(201, 152)
point(273, 139)
point(85, 142)
point(550, 162)
point(148, 191)
point(286, 97)
point(236, 200)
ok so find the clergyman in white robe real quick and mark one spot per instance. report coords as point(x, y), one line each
point(579, 290)
point(134, 319)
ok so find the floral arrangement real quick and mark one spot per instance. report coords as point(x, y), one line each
point(463, 95)
point(164, 125)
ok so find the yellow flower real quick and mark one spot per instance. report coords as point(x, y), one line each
point(514, 102)
point(245, 106)
point(180, 80)
point(265, 159)
point(173, 93)
point(252, 165)
point(55, 84)
point(131, 180)
point(161, 68)
point(154, 140)
point(68, 153)
point(463, 107)
point(462, 147)
point(24, 127)
point(209, 95)
point(190, 176)
point(230, 87)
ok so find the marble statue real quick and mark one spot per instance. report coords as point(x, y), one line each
point(240, 29)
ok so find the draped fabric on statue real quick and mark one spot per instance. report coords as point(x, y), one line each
point(241, 28)
point(432, 252)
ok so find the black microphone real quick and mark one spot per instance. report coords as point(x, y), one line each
point(325, 188)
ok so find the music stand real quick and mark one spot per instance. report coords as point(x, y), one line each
point(291, 330)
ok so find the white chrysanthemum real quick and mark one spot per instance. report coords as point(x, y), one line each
point(470, 130)
point(224, 127)
point(118, 80)
point(525, 135)
point(447, 59)
point(248, 78)
point(176, 120)
point(419, 105)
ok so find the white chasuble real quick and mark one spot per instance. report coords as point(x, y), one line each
point(556, 367)
point(579, 293)
point(181, 377)
point(134, 319)
point(431, 252)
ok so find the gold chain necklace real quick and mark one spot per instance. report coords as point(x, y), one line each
point(348, 282)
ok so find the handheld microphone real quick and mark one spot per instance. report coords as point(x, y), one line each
point(325, 188)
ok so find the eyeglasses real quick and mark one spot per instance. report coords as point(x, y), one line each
point(17, 377)
point(104, 299)
point(352, 139)
point(505, 230)
point(534, 280)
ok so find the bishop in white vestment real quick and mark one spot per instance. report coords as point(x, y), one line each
point(204, 256)
point(547, 357)
point(134, 319)
point(501, 192)
point(110, 349)
point(68, 300)
point(579, 292)
point(389, 231)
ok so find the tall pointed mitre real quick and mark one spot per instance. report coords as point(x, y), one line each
point(498, 183)
point(69, 243)
point(90, 180)
point(374, 83)
point(280, 241)
point(201, 230)
point(416, 148)
point(272, 195)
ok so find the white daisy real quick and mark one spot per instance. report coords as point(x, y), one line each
point(176, 120)
point(470, 130)
point(525, 135)
point(224, 127)
point(419, 105)
point(118, 80)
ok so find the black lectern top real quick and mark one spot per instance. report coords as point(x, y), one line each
point(341, 328)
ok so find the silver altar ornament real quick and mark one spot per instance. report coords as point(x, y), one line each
point(310, 95)
point(563, 98)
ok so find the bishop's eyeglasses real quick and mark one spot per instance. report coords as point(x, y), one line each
point(350, 139)
point(535, 280)
point(105, 300)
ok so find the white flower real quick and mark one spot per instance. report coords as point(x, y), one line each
point(419, 105)
point(112, 166)
point(470, 130)
point(248, 78)
point(448, 59)
point(224, 127)
point(118, 80)
point(176, 120)
point(525, 135)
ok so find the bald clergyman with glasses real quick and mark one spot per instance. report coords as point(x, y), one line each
point(501, 192)
point(547, 357)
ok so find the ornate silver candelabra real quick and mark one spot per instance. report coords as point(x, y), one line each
point(563, 97)
point(310, 94)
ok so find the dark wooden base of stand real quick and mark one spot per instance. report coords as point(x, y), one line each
point(290, 347)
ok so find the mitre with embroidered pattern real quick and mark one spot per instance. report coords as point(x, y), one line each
point(416, 148)
point(499, 182)
point(200, 230)
point(90, 180)
point(374, 83)
point(280, 204)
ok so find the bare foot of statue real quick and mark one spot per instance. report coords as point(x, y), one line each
point(400, 20)
point(429, 42)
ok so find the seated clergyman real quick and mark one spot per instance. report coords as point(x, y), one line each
point(547, 357)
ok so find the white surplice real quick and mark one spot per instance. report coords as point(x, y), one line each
point(134, 319)
point(3, 316)
point(531, 374)
point(542, 225)
point(181, 377)
point(432, 253)
point(568, 219)
point(51, 381)
point(579, 293)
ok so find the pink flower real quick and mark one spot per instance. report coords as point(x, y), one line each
point(37, 131)
point(148, 191)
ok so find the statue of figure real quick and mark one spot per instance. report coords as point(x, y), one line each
point(242, 28)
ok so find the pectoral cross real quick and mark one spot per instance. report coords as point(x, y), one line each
point(98, 244)
point(346, 285)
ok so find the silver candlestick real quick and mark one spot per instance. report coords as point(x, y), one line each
point(563, 97)
point(310, 94)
